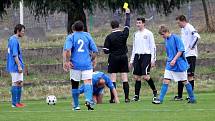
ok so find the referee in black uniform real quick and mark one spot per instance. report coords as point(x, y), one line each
point(115, 46)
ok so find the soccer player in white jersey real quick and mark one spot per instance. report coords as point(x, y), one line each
point(79, 57)
point(190, 37)
point(143, 57)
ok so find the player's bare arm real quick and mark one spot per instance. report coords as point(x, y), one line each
point(172, 63)
point(18, 64)
point(67, 64)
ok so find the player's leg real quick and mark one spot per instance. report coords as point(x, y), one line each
point(88, 88)
point(81, 89)
point(113, 79)
point(123, 69)
point(191, 71)
point(124, 77)
point(112, 69)
point(75, 77)
point(137, 88)
point(137, 72)
point(180, 91)
point(146, 65)
point(16, 89)
point(168, 76)
point(163, 91)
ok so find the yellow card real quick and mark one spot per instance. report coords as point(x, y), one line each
point(125, 6)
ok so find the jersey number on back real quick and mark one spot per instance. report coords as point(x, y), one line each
point(81, 43)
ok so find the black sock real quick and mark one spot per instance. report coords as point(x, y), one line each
point(192, 84)
point(75, 84)
point(152, 85)
point(137, 87)
point(126, 89)
point(112, 96)
point(180, 89)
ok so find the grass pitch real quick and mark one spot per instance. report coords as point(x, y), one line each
point(143, 110)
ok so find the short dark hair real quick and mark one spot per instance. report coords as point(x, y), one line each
point(19, 28)
point(181, 18)
point(141, 19)
point(78, 26)
point(114, 24)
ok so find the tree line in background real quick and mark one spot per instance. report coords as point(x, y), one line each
point(75, 8)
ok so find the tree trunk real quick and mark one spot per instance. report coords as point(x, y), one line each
point(206, 15)
point(75, 15)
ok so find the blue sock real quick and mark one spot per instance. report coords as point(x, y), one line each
point(163, 91)
point(75, 96)
point(14, 94)
point(88, 92)
point(19, 93)
point(81, 89)
point(190, 91)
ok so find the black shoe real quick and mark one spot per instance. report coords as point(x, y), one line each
point(177, 98)
point(136, 98)
point(111, 101)
point(157, 101)
point(89, 105)
point(127, 100)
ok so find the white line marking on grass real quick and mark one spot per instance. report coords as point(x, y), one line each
point(150, 110)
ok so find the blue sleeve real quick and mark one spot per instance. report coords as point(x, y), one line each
point(179, 44)
point(108, 82)
point(14, 47)
point(93, 47)
point(68, 43)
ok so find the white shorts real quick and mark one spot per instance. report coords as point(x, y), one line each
point(78, 75)
point(176, 76)
point(16, 77)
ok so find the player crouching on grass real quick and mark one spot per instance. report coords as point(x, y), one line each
point(79, 58)
point(15, 64)
point(176, 65)
point(99, 80)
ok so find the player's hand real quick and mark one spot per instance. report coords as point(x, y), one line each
point(127, 10)
point(130, 65)
point(172, 63)
point(67, 66)
point(20, 69)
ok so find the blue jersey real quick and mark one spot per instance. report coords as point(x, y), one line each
point(14, 50)
point(97, 76)
point(174, 45)
point(81, 45)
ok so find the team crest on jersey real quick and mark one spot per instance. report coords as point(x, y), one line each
point(145, 36)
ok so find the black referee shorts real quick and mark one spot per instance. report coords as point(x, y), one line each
point(192, 62)
point(118, 64)
point(142, 64)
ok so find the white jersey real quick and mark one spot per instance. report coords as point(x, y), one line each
point(190, 37)
point(143, 43)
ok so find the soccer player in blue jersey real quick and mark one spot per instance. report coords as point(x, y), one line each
point(176, 65)
point(99, 80)
point(15, 64)
point(79, 58)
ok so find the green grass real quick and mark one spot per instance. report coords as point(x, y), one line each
point(135, 111)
